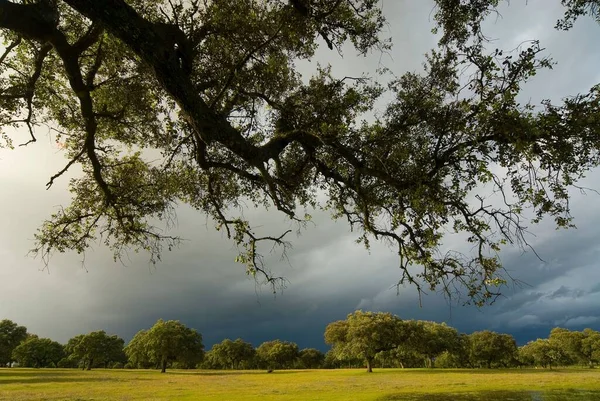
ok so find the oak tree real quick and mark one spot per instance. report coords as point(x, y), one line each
point(163, 102)
point(166, 342)
point(311, 358)
point(277, 354)
point(11, 335)
point(230, 354)
point(37, 352)
point(490, 349)
point(364, 335)
point(95, 349)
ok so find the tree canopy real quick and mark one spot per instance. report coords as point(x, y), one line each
point(365, 334)
point(96, 349)
point(230, 354)
point(11, 335)
point(277, 354)
point(200, 102)
point(166, 342)
point(35, 352)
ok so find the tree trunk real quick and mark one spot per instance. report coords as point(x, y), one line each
point(369, 367)
point(163, 367)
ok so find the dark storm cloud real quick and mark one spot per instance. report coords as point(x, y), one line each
point(329, 274)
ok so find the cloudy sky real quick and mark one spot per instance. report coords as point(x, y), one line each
point(329, 275)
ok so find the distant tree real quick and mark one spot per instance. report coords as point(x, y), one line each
point(38, 352)
point(447, 360)
point(462, 352)
point(570, 344)
point(66, 362)
point(96, 349)
point(489, 349)
point(11, 335)
point(590, 346)
point(137, 351)
point(166, 342)
point(542, 352)
point(278, 354)
point(435, 338)
point(364, 335)
point(311, 358)
point(229, 354)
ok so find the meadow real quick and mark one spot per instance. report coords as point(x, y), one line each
point(306, 385)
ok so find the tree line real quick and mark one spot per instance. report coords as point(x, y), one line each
point(363, 339)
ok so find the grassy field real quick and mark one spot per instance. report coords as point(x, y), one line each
point(347, 385)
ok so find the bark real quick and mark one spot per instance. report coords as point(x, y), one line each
point(163, 368)
point(369, 365)
point(155, 44)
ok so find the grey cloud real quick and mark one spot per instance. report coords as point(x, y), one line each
point(580, 321)
point(565, 292)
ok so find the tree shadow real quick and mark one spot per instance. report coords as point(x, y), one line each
point(563, 395)
point(61, 379)
point(234, 372)
point(31, 376)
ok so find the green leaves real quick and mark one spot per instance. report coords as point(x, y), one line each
point(37, 352)
point(167, 102)
point(95, 349)
point(164, 343)
point(11, 335)
point(364, 335)
point(277, 354)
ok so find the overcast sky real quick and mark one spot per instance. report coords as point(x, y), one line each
point(329, 274)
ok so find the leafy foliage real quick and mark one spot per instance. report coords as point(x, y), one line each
point(96, 349)
point(229, 354)
point(37, 352)
point(277, 354)
point(11, 335)
point(491, 349)
point(199, 102)
point(364, 335)
point(166, 342)
point(311, 358)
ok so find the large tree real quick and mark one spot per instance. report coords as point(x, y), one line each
point(278, 354)
point(433, 339)
point(96, 349)
point(311, 358)
point(543, 352)
point(491, 349)
point(162, 102)
point(230, 354)
point(37, 352)
point(166, 342)
point(365, 335)
point(11, 335)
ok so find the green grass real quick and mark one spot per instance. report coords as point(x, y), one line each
point(383, 385)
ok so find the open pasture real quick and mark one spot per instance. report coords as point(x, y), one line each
point(305, 385)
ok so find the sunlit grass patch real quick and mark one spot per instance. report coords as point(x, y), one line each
point(350, 384)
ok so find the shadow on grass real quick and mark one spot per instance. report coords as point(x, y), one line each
point(482, 371)
point(61, 379)
point(34, 376)
point(233, 372)
point(566, 395)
